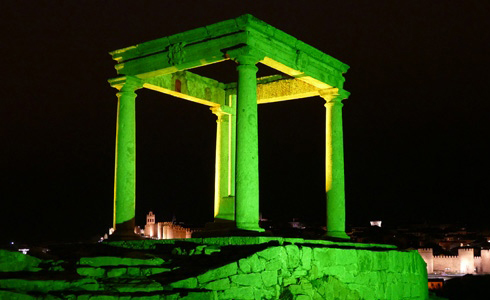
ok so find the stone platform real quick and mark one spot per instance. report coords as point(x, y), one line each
point(214, 268)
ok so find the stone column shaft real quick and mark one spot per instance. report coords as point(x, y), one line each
point(125, 164)
point(334, 166)
point(247, 148)
point(224, 205)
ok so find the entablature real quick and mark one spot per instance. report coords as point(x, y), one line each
point(218, 42)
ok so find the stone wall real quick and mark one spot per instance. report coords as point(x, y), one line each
point(226, 268)
point(463, 263)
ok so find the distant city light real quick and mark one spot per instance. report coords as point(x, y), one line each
point(24, 250)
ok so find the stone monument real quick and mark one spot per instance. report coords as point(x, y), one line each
point(163, 65)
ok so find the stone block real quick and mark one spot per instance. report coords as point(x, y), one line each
point(299, 273)
point(237, 293)
point(315, 273)
point(289, 281)
point(252, 279)
point(154, 271)
point(211, 249)
point(100, 261)
point(269, 278)
point(271, 253)
point(380, 261)
point(86, 284)
point(14, 261)
point(199, 296)
point(220, 284)
point(116, 272)
point(365, 261)
point(218, 273)
point(322, 257)
point(345, 257)
point(91, 272)
point(334, 270)
point(101, 297)
point(306, 254)
point(257, 264)
point(307, 288)
point(134, 271)
point(268, 293)
point(146, 297)
point(244, 265)
point(295, 289)
point(274, 264)
point(293, 256)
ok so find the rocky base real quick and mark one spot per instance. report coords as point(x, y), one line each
point(214, 268)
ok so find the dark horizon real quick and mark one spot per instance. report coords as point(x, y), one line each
point(415, 124)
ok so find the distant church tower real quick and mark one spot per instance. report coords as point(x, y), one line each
point(150, 218)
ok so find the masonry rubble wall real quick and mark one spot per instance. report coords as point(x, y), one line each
point(286, 270)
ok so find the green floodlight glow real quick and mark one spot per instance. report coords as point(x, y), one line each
point(163, 65)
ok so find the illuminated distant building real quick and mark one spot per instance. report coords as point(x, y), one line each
point(164, 230)
point(464, 263)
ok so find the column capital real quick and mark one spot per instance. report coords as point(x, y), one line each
point(246, 55)
point(330, 95)
point(218, 112)
point(333, 95)
point(222, 109)
point(130, 82)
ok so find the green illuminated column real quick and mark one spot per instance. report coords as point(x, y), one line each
point(334, 163)
point(247, 146)
point(224, 201)
point(125, 166)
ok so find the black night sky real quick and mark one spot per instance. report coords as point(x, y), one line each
point(415, 127)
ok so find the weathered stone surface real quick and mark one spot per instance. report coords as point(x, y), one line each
point(220, 284)
point(189, 283)
point(15, 296)
point(299, 273)
point(253, 279)
point(33, 285)
point(289, 281)
point(115, 261)
point(271, 253)
point(274, 264)
point(333, 273)
point(237, 293)
point(295, 289)
point(256, 264)
point(221, 272)
point(269, 278)
point(92, 272)
point(306, 254)
point(14, 261)
point(116, 272)
point(138, 286)
point(244, 265)
point(293, 256)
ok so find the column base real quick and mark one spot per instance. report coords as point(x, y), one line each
point(337, 235)
point(125, 232)
point(249, 227)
